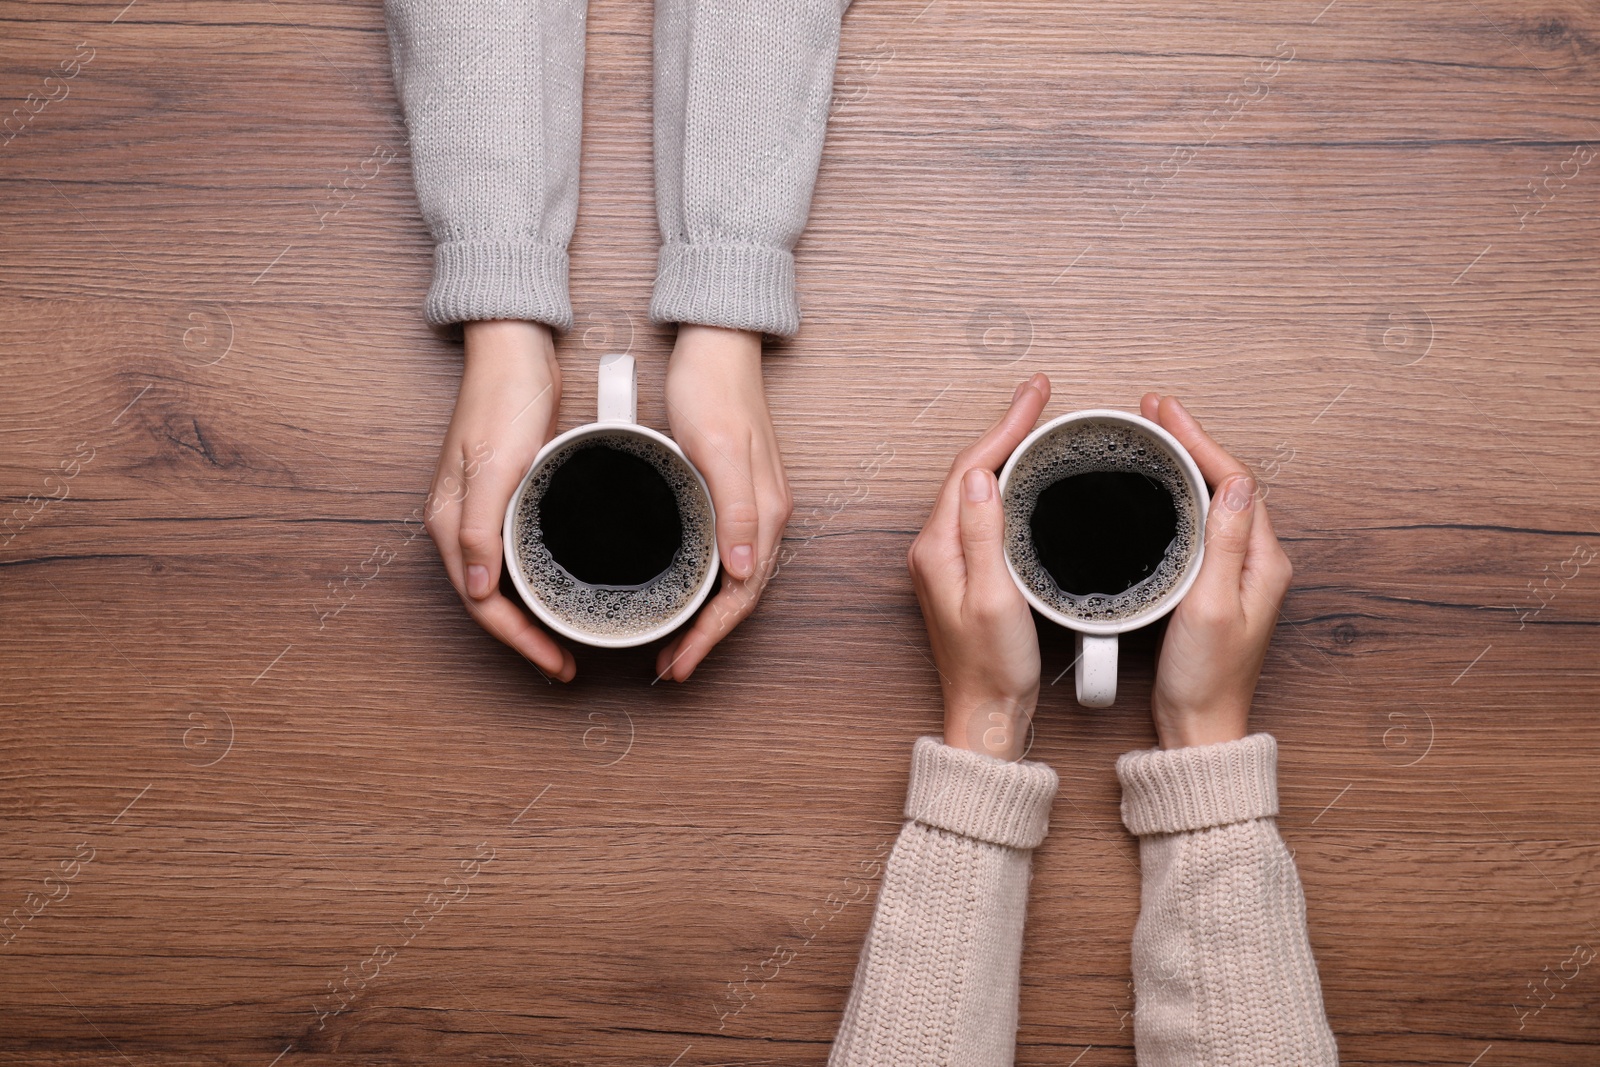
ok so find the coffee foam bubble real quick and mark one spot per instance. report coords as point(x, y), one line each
point(609, 611)
point(1079, 448)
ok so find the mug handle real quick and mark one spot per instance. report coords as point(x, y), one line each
point(1096, 670)
point(618, 399)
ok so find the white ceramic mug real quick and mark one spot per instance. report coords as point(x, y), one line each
point(1095, 666)
point(617, 413)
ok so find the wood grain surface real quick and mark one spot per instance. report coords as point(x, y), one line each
point(253, 750)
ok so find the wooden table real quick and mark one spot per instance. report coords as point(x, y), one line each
point(254, 750)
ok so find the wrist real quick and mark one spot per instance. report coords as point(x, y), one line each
point(730, 348)
point(510, 342)
point(1190, 730)
point(995, 726)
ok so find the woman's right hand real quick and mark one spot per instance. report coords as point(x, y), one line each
point(505, 412)
point(1217, 636)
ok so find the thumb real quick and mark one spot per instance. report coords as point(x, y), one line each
point(983, 527)
point(489, 486)
point(1227, 538)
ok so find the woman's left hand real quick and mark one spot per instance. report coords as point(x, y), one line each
point(984, 643)
point(717, 407)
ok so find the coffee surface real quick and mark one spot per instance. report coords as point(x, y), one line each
point(592, 554)
point(609, 518)
point(1103, 531)
point(1101, 548)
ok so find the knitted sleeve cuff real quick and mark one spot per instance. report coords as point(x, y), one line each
point(979, 796)
point(475, 280)
point(742, 287)
point(1167, 791)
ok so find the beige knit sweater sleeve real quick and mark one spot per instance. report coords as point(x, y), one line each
point(937, 979)
point(1222, 965)
point(1222, 962)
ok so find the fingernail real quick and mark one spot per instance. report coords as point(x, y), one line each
point(976, 485)
point(478, 581)
point(741, 561)
point(1241, 489)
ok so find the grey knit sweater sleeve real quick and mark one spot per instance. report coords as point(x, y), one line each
point(742, 96)
point(1221, 958)
point(492, 96)
point(491, 91)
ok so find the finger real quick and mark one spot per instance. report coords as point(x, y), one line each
point(1227, 540)
point(733, 496)
point(491, 481)
point(678, 660)
point(774, 504)
point(507, 622)
point(1267, 567)
point(443, 520)
point(667, 659)
point(992, 449)
point(1150, 406)
point(1262, 535)
point(1214, 462)
point(939, 573)
point(982, 534)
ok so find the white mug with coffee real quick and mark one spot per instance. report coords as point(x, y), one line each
point(611, 538)
point(1105, 529)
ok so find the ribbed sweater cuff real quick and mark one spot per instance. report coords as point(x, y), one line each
point(475, 280)
point(742, 287)
point(1168, 791)
point(979, 796)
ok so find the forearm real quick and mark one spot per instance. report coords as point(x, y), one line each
point(1222, 964)
point(492, 96)
point(742, 94)
point(937, 978)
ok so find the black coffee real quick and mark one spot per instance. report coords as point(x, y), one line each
point(610, 519)
point(1103, 531)
point(614, 534)
point(1101, 523)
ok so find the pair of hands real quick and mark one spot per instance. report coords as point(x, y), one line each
point(980, 627)
point(982, 631)
point(506, 411)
